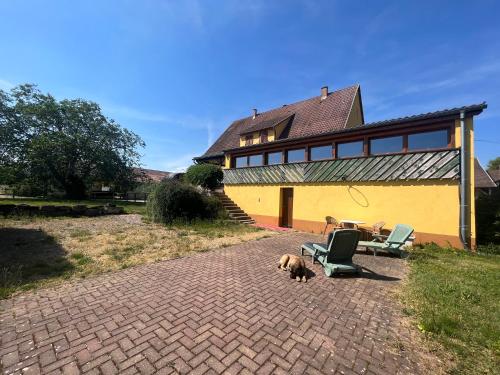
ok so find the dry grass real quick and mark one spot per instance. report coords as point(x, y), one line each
point(38, 251)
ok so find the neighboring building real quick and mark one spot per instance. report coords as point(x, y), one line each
point(495, 175)
point(482, 180)
point(156, 176)
point(295, 165)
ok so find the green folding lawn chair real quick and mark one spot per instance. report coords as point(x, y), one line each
point(336, 255)
point(394, 242)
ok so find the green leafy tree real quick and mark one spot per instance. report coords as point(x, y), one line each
point(494, 163)
point(208, 176)
point(67, 144)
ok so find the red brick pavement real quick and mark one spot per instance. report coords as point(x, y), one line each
point(228, 311)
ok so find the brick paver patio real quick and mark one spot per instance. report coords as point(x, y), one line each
point(228, 311)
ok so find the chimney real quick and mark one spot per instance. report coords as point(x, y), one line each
point(324, 92)
point(254, 113)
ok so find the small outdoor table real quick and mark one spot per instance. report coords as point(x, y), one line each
point(351, 223)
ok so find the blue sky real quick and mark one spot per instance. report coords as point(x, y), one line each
point(177, 73)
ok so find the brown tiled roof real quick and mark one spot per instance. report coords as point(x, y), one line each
point(495, 174)
point(310, 117)
point(481, 178)
point(153, 174)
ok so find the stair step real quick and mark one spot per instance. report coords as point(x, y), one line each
point(232, 207)
point(234, 212)
point(240, 216)
point(247, 222)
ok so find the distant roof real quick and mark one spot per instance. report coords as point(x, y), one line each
point(310, 117)
point(494, 174)
point(154, 175)
point(481, 178)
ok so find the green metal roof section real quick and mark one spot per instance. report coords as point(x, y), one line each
point(412, 166)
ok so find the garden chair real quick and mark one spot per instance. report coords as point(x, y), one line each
point(377, 231)
point(331, 221)
point(336, 255)
point(394, 242)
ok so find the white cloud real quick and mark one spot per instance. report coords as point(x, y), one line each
point(5, 85)
point(179, 164)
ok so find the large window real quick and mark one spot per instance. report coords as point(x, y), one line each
point(321, 152)
point(241, 162)
point(274, 158)
point(428, 140)
point(349, 149)
point(295, 156)
point(255, 160)
point(386, 145)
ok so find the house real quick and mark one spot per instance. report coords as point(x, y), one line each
point(294, 165)
point(495, 175)
point(153, 175)
point(483, 182)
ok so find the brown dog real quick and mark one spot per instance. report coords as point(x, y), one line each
point(295, 264)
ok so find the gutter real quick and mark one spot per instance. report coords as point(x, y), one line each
point(464, 180)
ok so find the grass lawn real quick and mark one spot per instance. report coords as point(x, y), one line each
point(454, 298)
point(129, 207)
point(40, 251)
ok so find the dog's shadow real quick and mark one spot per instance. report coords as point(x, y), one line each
point(310, 273)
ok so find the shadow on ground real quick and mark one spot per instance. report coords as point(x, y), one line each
point(29, 255)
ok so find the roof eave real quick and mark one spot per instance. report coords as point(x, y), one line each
point(208, 157)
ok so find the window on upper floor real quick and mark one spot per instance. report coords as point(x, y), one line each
point(295, 156)
point(428, 140)
point(263, 136)
point(349, 149)
point(255, 160)
point(274, 158)
point(321, 152)
point(249, 140)
point(386, 145)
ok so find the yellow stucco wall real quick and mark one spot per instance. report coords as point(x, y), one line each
point(430, 207)
point(270, 135)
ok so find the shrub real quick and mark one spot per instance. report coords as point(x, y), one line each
point(173, 200)
point(213, 208)
point(488, 218)
point(208, 176)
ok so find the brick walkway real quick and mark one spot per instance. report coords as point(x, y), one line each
point(228, 311)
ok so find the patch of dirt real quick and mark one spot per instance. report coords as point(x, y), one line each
point(106, 243)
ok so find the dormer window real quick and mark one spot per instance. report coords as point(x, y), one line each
point(263, 136)
point(249, 140)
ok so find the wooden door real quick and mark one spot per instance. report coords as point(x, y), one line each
point(287, 207)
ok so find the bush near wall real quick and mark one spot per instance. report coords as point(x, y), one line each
point(488, 218)
point(208, 176)
point(173, 200)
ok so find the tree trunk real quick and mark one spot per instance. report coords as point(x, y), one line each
point(75, 188)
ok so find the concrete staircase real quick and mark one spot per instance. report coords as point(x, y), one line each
point(233, 210)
